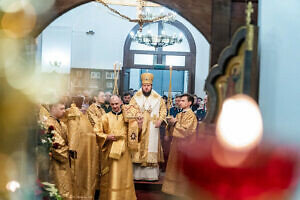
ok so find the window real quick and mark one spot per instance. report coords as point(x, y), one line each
point(181, 56)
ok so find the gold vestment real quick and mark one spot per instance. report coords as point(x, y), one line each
point(60, 170)
point(85, 154)
point(95, 113)
point(184, 132)
point(149, 150)
point(116, 166)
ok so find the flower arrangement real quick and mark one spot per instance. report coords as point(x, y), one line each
point(46, 137)
point(47, 191)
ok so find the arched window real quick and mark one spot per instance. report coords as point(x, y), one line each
point(138, 58)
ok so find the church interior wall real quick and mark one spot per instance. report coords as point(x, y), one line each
point(279, 95)
point(102, 49)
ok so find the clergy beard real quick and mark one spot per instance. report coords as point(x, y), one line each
point(146, 94)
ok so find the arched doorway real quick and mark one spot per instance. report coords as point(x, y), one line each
point(139, 58)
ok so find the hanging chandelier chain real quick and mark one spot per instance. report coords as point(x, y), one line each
point(113, 10)
point(144, 18)
point(141, 20)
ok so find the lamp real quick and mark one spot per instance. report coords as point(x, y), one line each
point(160, 40)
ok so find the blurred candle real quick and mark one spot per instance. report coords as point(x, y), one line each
point(12, 186)
point(239, 125)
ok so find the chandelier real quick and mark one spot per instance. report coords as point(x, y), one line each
point(143, 15)
point(156, 41)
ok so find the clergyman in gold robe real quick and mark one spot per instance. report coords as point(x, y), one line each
point(183, 129)
point(60, 170)
point(149, 151)
point(84, 152)
point(116, 165)
point(95, 111)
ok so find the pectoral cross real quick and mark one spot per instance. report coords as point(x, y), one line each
point(249, 12)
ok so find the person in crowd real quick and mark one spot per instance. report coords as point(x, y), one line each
point(131, 91)
point(195, 104)
point(183, 129)
point(205, 102)
point(106, 106)
point(86, 99)
point(200, 112)
point(116, 165)
point(95, 111)
point(199, 100)
point(165, 98)
point(176, 108)
point(83, 150)
point(126, 98)
point(60, 170)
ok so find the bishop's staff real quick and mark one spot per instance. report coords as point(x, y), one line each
point(116, 77)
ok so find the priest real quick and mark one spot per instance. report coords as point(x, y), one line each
point(84, 152)
point(95, 111)
point(116, 166)
point(153, 111)
point(60, 164)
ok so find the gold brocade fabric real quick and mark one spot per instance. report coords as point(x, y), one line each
point(116, 166)
point(184, 132)
point(72, 120)
point(59, 165)
point(85, 166)
point(130, 112)
point(95, 113)
point(44, 113)
point(142, 156)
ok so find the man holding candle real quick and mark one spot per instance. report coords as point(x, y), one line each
point(183, 129)
point(148, 149)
